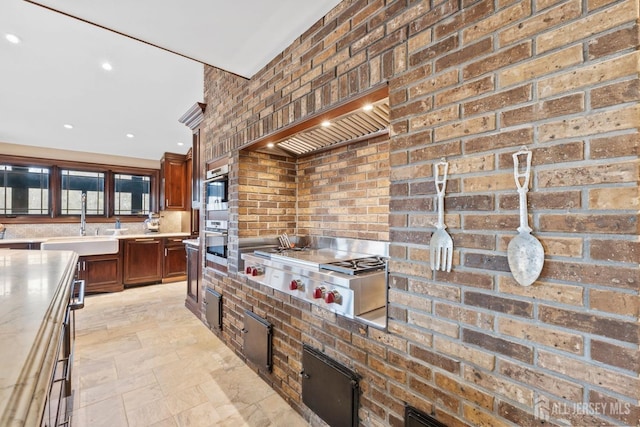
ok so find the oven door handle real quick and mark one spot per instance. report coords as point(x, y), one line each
point(216, 233)
point(79, 302)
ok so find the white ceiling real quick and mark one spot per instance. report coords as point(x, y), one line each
point(54, 76)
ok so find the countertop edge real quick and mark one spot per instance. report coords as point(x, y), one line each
point(119, 236)
point(26, 403)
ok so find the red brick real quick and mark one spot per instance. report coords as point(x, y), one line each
point(510, 138)
point(615, 146)
point(434, 359)
point(620, 277)
point(610, 43)
point(455, 387)
point(465, 54)
point(498, 60)
point(616, 93)
point(616, 250)
point(575, 223)
point(492, 102)
point(541, 380)
point(466, 17)
point(591, 323)
point(541, 22)
point(615, 302)
point(616, 355)
point(546, 336)
point(498, 345)
point(570, 104)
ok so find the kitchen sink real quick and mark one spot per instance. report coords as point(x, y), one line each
point(82, 245)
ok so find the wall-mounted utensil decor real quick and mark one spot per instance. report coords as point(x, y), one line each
point(524, 253)
point(441, 250)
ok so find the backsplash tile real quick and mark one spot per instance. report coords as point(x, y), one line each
point(170, 222)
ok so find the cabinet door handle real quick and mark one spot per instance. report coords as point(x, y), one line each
point(79, 303)
point(145, 240)
point(165, 251)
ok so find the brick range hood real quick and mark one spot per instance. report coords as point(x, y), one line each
point(349, 122)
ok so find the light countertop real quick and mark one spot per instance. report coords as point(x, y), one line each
point(192, 242)
point(35, 287)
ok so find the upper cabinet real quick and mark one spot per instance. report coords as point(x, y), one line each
point(192, 118)
point(173, 188)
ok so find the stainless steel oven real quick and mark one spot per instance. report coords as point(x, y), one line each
point(215, 241)
point(216, 189)
point(216, 192)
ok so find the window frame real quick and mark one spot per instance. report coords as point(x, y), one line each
point(55, 189)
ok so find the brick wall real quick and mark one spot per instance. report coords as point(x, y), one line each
point(343, 192)
point(471, 81)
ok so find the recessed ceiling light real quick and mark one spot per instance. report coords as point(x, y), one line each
point(326, 123)
point(130, 135)
point(12, 38)
point(68, 126)
point(271, 145)
point(368, 107)
point(107, 66)
point(180, 144)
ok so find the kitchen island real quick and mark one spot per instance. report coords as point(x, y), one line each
point(35, 288)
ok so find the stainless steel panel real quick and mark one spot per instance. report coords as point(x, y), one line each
point(257, 344)
point(213, 308)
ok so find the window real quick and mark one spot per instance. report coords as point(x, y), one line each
point(74, 183)
point(132, 194)
point(24, 190)
point(52, 190)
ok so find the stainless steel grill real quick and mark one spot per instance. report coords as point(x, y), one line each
point(349, 283)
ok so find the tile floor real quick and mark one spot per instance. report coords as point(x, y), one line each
point(143, 359)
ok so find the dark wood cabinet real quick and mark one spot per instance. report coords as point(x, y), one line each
point(192, 118)
point(101, 273)
point(173, 188)
point(194, 193)
point(175, 259)
point(196, 174)
point(143, 260)
point(192, 301)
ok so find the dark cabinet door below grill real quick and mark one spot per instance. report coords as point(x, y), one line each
point(143, 261)
point(101, 273)
point(329, 389)
point(175, 259)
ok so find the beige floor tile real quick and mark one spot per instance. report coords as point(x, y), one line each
point(106, 413)
point(204, 415)
point(142, 359)
point(141, 396)
point(169, 422)
point(91, 373)
point(118, 387)
point(148, 414)
point(280, 413)
point(183, 400)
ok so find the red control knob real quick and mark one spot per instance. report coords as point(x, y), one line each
point(248, 270)
point(295, 284)
point(317, 293)
point(329, 297)
point(256, 271)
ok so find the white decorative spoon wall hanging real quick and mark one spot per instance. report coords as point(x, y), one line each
point(524, 253)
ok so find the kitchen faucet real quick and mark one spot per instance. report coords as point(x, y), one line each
point(83, 215)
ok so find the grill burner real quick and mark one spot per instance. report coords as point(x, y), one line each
point(356, 266)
